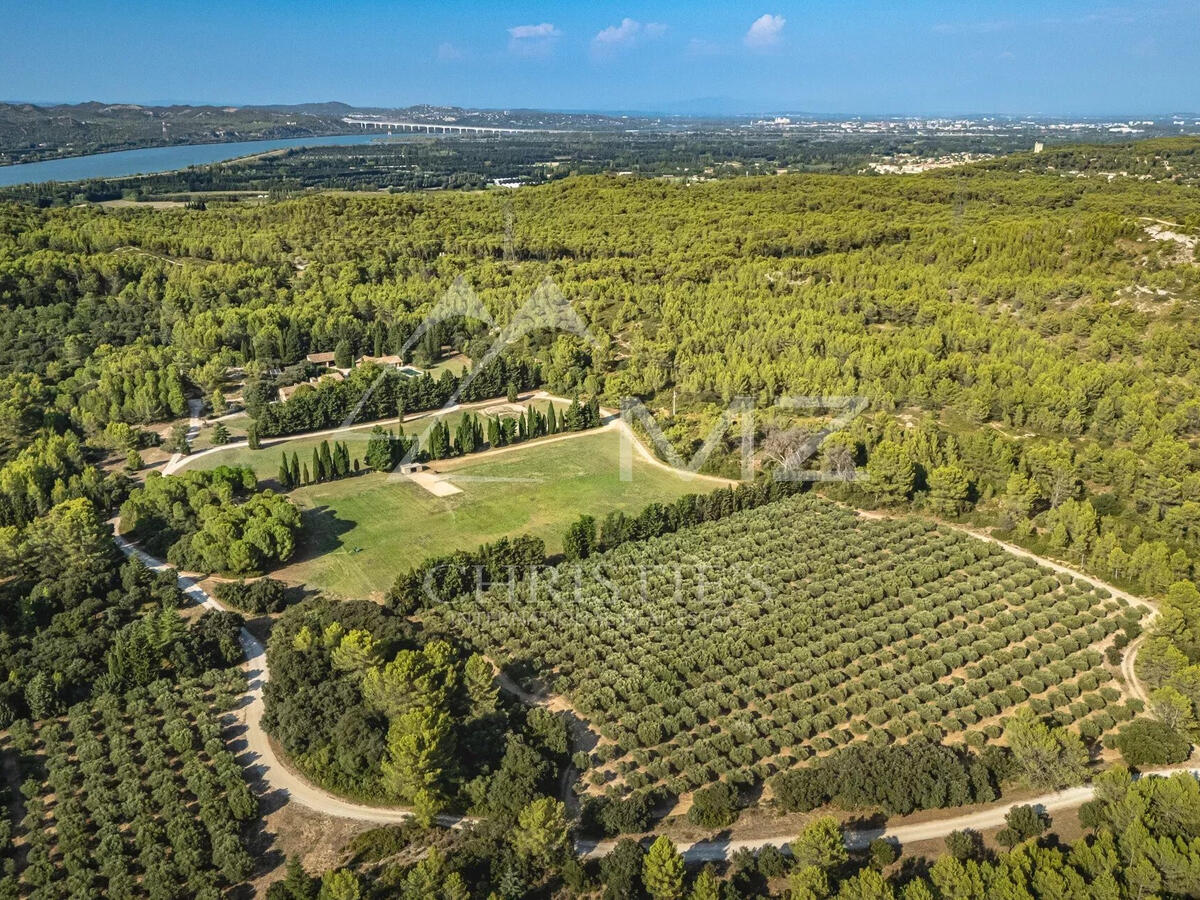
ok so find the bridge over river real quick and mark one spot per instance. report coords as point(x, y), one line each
point(445, 127)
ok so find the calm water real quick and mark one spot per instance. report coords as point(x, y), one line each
point(158, 159)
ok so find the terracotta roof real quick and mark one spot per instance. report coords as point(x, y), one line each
point(320, 357)
point(390, 360)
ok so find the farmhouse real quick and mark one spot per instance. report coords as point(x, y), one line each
point(391, 362)
point(286, 392)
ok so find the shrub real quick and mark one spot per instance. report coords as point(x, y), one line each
point(799, 790)
point(715, 806)
point(883, 853)
point(1148, 742)
point(965, 844)
point(264, 595)
point(1022, 823)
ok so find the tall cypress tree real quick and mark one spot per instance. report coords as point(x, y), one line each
point(327, 470)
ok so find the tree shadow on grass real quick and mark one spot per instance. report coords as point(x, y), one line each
point(322, 530)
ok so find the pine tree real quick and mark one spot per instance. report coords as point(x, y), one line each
point(307, 477)
point(706, 887)
point(480, 683)
point(551, 420)
point(662, 870)
point(340, 884)
point(285, 474)
point(820, 844)
point(541, 833)
point(1050, 757)
point(316, 466)
point(298, 885)
point(420, 751)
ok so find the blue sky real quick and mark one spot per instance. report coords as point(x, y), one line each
point(821, 56)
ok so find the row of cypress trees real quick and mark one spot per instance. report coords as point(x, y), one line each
point(329, 463)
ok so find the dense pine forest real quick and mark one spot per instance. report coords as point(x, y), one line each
point(1022, 339)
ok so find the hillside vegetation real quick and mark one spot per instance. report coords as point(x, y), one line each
point(1025, 351)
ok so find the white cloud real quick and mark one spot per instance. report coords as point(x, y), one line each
point(624, 33)
point(447, 52)
point(627, 34)
point(525, 32)
point(765, 32)
point(533, 40)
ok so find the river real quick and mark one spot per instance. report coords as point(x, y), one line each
point(151, 160)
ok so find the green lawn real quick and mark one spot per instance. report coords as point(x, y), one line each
point(361, 532)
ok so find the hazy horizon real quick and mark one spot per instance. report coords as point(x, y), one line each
point(663, 109)
point(924, 58)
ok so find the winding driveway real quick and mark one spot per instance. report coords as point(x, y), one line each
point(270, 774)
point(195, 408)
point(265, 768)
point(992, 817)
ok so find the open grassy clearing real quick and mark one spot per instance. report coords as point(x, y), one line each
point(797, 628)
point(361, 532)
